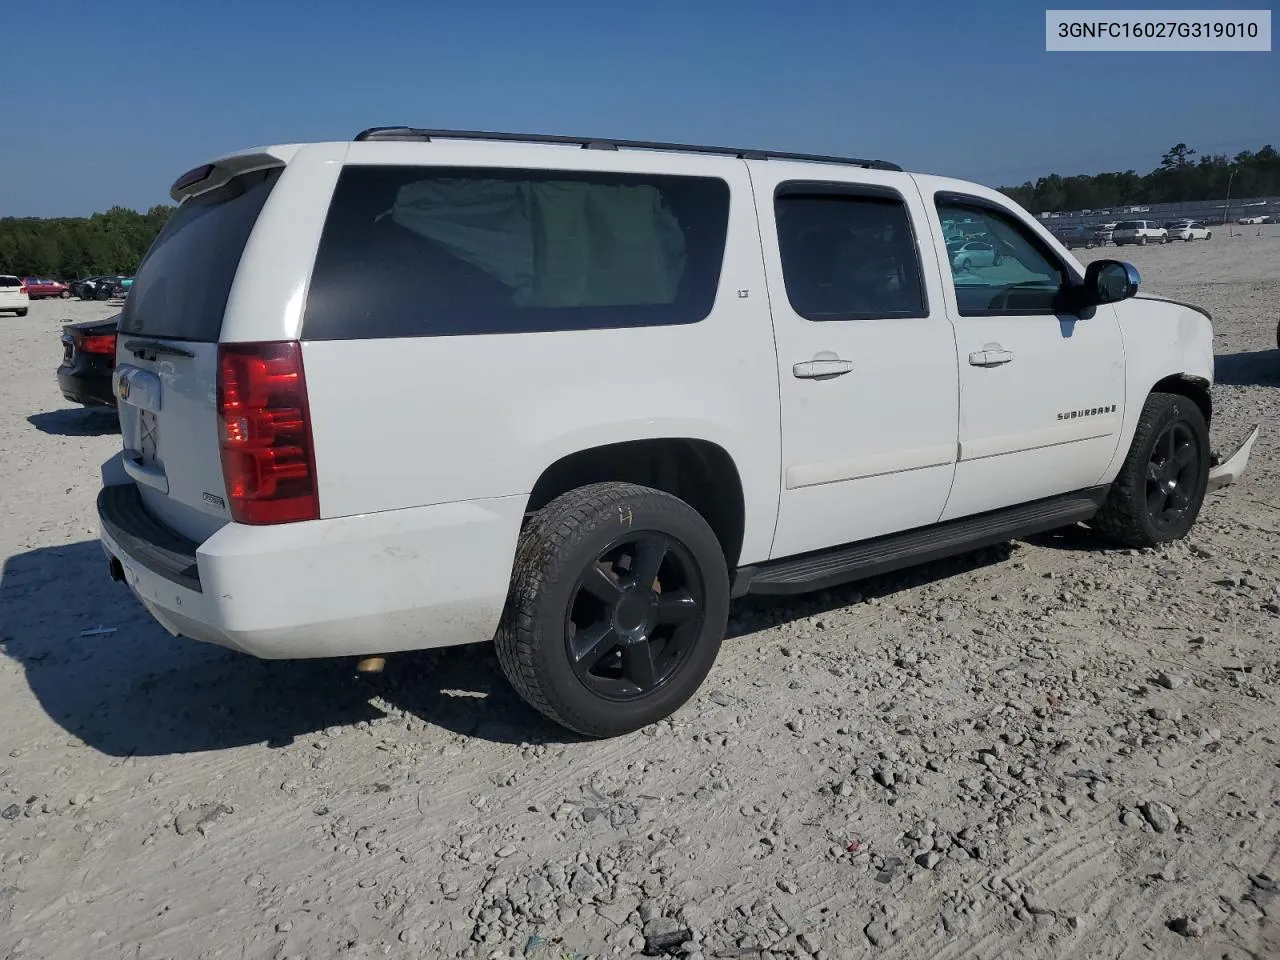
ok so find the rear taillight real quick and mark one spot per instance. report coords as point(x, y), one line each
point(103, 343)
point(264, 433)
point(22, 288)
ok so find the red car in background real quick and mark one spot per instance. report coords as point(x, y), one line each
point(38, 287)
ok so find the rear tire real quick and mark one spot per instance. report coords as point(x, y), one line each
point(618, 603)
point(21, 313)
point(1157, 495)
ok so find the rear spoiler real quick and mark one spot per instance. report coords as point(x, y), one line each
point(210, 176)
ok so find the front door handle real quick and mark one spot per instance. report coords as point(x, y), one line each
point(991, 355)
point(821, 369)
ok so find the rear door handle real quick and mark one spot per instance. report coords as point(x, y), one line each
point(991, 355)
point(820, 369)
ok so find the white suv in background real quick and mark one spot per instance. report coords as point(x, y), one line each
point(13, 296)
point(1140, 232)
point(573, 396)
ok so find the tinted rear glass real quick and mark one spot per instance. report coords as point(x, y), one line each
point(180, 291)
point(1129, 225)
point(436, 251)
point(10, 282)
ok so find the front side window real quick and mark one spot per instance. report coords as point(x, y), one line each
point(436, 251)
point(1002, 268)
point(848, 255)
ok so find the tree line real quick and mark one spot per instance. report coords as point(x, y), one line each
point(68, 248)
point(1181, 177)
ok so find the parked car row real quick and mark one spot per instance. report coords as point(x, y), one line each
point(102, 288)
point(1142, 232)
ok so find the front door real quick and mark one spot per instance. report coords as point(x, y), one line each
point(1041, 388)
point(866, 355)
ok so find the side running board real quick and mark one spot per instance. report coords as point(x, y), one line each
point(868, 558)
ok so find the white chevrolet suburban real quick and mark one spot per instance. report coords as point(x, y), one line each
point(573, 396)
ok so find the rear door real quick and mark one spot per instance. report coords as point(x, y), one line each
point(167, 354)
point(866, 354)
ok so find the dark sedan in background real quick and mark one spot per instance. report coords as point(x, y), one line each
point(88, 361)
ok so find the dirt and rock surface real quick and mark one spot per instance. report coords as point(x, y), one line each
point(1045, 750)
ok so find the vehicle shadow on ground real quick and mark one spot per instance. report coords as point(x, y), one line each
point(1257, 368)
point(76, 422)
point(137, 691)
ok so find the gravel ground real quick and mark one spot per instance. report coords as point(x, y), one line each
point(1042, 750)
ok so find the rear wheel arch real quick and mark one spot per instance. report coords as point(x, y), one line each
point(701, 473)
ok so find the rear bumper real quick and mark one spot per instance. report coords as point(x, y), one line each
point(378, 583)
point(90, 389)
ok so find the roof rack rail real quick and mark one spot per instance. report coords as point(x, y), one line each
point(595, 143)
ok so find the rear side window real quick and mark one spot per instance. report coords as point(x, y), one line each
point(848, 254)
point(441, 251)
point(180, 290)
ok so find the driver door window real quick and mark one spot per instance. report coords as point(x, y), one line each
point(998, 267)
point(1027, 365)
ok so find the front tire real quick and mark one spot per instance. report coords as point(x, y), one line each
point(64, 295)
point(618, 603)
point(1158, 493)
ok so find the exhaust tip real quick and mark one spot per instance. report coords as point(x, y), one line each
point(116, 570)
point(371, 665)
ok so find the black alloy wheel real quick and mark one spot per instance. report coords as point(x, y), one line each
point(1157, 494)
point(634, 616)
point(1172, 474)
point(617, 606)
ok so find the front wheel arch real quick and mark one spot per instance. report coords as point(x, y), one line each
point(1195, 389)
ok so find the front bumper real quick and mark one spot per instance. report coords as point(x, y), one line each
point(1228, 471)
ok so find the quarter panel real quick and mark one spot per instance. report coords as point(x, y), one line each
point(402, 422)
point(267, 296)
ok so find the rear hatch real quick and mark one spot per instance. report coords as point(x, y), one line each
point(11, 290)
point(167, 354)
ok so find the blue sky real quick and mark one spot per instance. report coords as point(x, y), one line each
point(113, 106)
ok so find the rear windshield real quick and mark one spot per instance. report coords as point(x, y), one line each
point(1129, 225)
point(180, 291)
point(437, 251)
point(10, 282)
